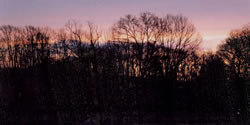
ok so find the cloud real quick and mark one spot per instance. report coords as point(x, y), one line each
point(211, 45)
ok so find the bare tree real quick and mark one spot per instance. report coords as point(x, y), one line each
point(236, 52)
point(92, 34)
point(175, 33)
point(74, 30)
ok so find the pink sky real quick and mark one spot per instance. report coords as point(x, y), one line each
point(213, 18)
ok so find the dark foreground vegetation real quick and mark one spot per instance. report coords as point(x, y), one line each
point(150, 71)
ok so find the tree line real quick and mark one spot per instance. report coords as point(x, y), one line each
point(148, 65)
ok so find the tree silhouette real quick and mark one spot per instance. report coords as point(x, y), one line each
point(236, 54)
point(152, 71)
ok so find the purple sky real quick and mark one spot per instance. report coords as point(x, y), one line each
point(212, 18)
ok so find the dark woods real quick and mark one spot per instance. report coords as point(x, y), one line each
point(150, 70)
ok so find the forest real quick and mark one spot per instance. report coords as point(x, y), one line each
point(147, 70)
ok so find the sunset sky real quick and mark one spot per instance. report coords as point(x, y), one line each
point(213, 18)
